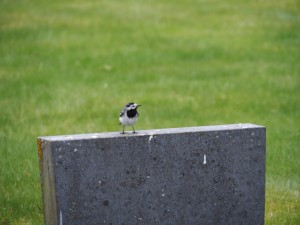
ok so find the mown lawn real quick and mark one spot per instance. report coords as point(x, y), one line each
point(69, 67)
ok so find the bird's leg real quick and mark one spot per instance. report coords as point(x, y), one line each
point(133, 129)
point(123, 129)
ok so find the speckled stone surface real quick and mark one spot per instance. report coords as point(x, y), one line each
point(180, 176)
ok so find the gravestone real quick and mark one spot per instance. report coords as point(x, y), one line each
point(180, 176)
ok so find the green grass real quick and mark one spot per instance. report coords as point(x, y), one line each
point(69, 66)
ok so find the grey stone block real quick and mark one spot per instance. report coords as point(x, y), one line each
point(182, 176)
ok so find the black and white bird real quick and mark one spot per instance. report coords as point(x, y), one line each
point(129, 115)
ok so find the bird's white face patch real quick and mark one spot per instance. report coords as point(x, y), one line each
point(134, 106)
point(131, 106)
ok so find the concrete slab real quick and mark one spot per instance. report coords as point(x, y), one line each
point(193, 175)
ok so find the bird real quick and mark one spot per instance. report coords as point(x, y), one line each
point(129, 116)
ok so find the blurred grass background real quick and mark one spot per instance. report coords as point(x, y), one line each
point(69, 67)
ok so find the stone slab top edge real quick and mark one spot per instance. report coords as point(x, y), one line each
point(150, 132)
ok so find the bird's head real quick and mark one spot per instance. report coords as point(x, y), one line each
point(131, 106)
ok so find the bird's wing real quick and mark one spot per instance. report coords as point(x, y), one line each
point(122, 113)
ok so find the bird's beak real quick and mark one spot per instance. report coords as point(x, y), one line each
point(138, 105)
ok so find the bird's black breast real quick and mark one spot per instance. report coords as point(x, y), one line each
point(132, 113)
